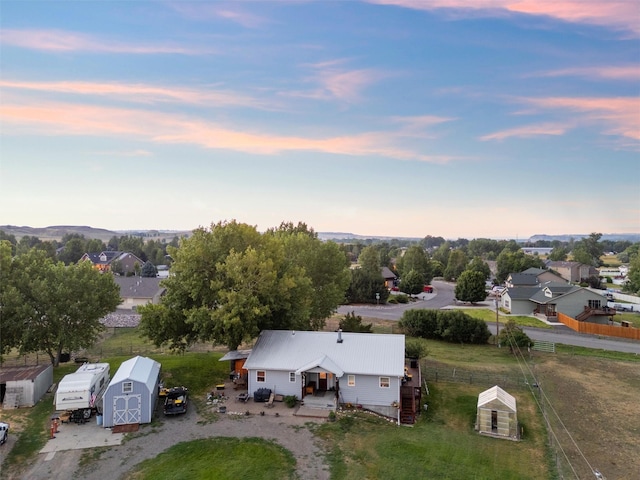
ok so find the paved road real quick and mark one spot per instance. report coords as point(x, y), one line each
point(443, 296)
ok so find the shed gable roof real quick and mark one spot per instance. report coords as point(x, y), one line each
point(497, 393)
point(358, 353)
point(137, 369)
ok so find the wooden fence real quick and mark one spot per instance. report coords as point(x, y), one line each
point(631, 333)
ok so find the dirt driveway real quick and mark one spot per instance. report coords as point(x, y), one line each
point(113, 463)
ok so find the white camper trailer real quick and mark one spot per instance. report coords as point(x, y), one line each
point(80, 393)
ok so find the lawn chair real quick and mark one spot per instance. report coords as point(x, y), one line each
point(270, 401)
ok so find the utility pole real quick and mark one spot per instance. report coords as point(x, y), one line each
point(497, 322)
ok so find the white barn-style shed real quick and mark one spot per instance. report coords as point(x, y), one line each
point(497, 414)
point(132, 393)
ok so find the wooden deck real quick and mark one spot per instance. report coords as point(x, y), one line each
point(411, 393)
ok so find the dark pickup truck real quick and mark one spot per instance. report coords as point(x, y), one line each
point(176, 401)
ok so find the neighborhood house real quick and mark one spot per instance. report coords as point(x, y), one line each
point(361, 369)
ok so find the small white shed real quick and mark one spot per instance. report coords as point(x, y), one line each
point(497, 414)
point(24, 386)
point(132, 393)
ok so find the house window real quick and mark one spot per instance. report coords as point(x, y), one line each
point(261, 376)
point(127, 387)
point(384, 382)
point(594, 304)
point(292, 377)
point(351, 381)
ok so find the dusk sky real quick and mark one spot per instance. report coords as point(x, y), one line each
point(402, 118)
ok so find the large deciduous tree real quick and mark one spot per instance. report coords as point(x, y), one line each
point(416, 259)
point(412, 283)
point(230, 282)
point(47, 306)
point(470, 287)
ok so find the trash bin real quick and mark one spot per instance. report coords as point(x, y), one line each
point(98, 420)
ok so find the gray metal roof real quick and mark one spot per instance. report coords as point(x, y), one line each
point(235, 355)
point(359, 353)
point(523, 279)
point(521, 293)
point(139, 369)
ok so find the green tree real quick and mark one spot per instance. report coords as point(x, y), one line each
point(412, 283)
point(558, 254)
point(479, 265)
point(95, 245)
point(416, 259)
point(52, 307)
point(353, 323)
point(229, 282)
point(73, 250)
point(470, 287)
point(442, 253)
point(457, 264)
point(415, 348)
point(324, 263)
point(513, 336)
point(148, 270)
point(364, 287)
point(369, 260)
point(588, 250)
point(510, 261)
point(632, 285)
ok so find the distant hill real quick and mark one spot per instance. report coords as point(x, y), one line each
point(56, 232)
point(616, 237)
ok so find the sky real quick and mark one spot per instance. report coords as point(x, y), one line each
point(400, 118)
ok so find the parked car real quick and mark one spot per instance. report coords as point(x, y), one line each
point(4, 432)
point(176, 401)
point(427, 289)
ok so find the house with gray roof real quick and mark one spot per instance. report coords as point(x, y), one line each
point(553, 298)
point(572, 271)
point(347, 368)
point(138, 291)
point(105, 261)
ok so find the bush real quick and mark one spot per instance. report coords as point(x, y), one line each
point(414, 348)
point(392, 299)
point(402, 298)
point(450, 325)
point(290, 401)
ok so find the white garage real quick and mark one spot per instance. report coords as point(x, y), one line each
point(132, 393)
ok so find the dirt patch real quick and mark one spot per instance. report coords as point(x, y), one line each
point(597, 403)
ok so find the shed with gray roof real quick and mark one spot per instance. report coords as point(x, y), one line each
point(132, 393)
point(497, 414)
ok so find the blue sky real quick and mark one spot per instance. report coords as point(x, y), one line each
point(401, 118)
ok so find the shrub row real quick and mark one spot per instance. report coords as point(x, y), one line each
point(449, 325)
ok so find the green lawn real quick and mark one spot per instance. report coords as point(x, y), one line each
point(443, 444)
point(220, 458)
point(489, 316)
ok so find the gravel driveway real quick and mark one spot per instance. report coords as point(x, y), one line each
point(113, 463)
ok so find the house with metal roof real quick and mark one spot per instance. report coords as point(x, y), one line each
point(363, 369)
point(132, 393)
point(497, 414)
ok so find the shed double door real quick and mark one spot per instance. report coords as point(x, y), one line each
point(127, 409)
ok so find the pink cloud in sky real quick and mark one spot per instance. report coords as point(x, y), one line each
point(616, 14)
point(527, 131)
point(63, 41)
point(627, 72)
point(72, 119)
point(620, 115)
point(204, 11)
point(143, 93)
